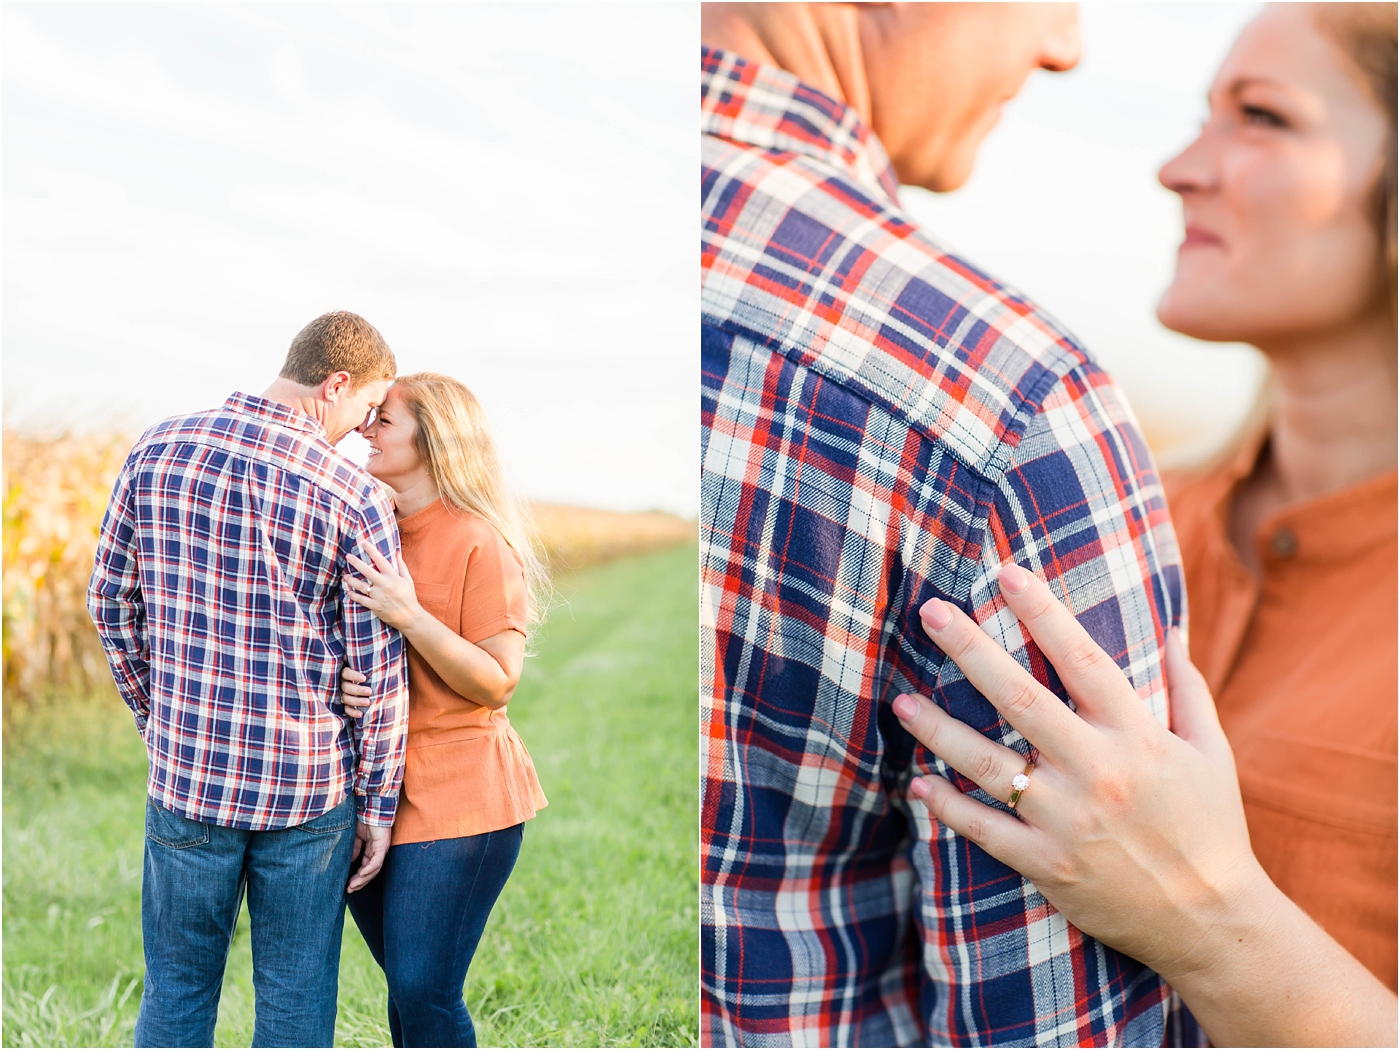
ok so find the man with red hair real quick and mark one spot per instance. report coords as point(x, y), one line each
point(217, 595)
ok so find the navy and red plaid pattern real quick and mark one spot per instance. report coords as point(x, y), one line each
point(217, 595)
point(883, 424)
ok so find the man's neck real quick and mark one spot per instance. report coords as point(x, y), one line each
point(819, 44)
point(294, 395)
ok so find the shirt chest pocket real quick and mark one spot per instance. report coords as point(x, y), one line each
point(437, 599)
point(1344, 787)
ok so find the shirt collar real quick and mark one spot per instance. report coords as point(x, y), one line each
point(274, 412)
point(763, 106)
point(1332, 527)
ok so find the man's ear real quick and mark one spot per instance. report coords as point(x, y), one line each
point(335, 386)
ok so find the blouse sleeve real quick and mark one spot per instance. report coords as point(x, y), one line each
point(494, 598)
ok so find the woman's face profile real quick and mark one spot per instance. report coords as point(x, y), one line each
point(1278, 192)
point(392, 453)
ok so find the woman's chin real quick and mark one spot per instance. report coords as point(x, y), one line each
point(1198, 314)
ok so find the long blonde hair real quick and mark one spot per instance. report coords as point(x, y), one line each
point(456, 445)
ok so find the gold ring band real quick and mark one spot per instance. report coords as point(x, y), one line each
point(1019, 783)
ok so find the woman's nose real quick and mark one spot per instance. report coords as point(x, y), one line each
point(1191, 170)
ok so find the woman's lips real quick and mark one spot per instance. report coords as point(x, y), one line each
point(1199, 238)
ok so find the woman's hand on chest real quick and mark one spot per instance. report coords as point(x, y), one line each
point(385, 589)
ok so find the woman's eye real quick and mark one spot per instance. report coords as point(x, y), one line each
point(1261, 117)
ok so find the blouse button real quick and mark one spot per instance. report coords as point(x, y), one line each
point(1284, 543)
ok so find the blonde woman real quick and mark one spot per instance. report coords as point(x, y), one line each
point(464, 594)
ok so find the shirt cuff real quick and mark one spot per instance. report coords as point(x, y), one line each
point(376, 810)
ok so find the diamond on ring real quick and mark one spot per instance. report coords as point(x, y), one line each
point(1019, 783)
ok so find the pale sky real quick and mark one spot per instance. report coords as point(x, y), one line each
point(506, 192)
point(1064, 204)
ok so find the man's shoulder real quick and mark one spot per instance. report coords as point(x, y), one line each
point(305, 455)
point(813, 264)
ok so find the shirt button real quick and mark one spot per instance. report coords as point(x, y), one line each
point(1284, 543)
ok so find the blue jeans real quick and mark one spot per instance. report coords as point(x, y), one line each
point(422, 918)
point(192, 886)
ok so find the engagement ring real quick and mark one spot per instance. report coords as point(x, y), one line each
point(1019, 783)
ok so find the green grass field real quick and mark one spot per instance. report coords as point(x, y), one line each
point(593, 942)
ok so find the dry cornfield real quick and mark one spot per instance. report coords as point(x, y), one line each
point(573, 537)
point(56, 491)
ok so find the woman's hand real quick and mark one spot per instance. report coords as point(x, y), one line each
point(353, 694)
point(485, 672)
point(1137, 835)
point(386, 590)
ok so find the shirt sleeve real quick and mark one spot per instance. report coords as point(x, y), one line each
point(494, 598)
point(376, 650)
point(115, 601)
point(1079, 504)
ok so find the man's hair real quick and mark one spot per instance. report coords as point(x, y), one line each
point(339, 342)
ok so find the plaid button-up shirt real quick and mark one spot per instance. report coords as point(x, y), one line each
point(883, 424)
point(217, 595)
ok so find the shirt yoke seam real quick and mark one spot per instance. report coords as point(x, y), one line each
point(1031, 404)
point(156, 445)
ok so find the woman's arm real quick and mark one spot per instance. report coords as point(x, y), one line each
point(484, 672)
point(1137, 835)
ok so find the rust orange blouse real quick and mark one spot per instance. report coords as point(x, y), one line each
point(1302, 663)
point(466, 772)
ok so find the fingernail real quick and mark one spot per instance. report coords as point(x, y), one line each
point(906, 707)
point(919, 788)
point(936, 614)
point(1014, 579)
